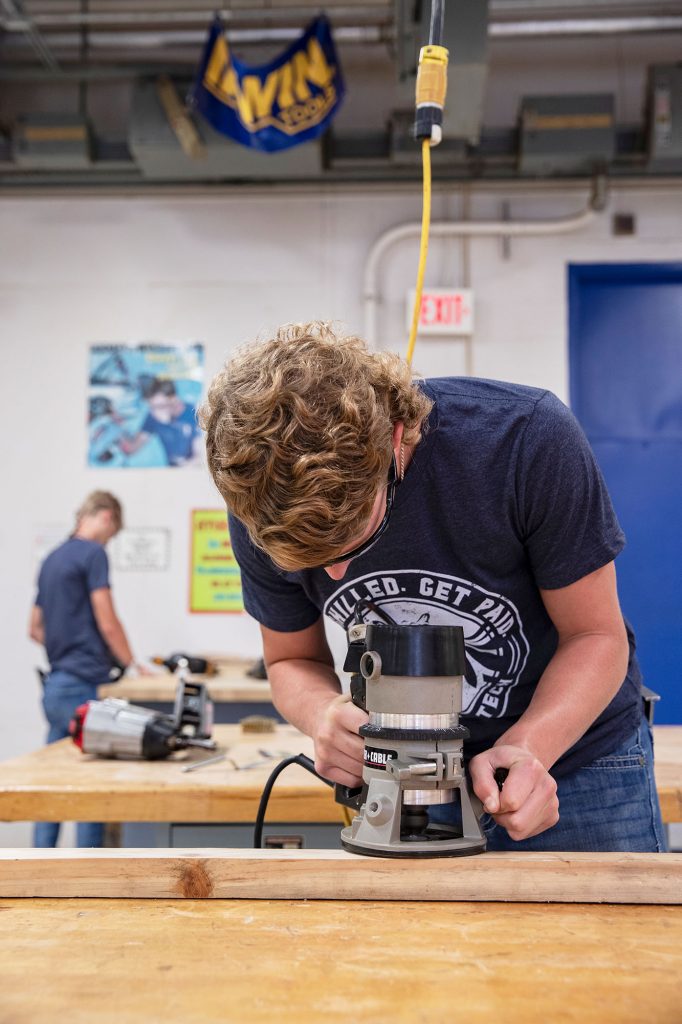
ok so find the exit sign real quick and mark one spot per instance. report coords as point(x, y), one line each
point(444, 311)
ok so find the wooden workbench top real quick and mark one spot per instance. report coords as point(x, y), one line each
point(300, 962)
point(59, 783)
point(230, 685)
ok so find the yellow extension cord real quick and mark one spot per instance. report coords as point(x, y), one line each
point(423, 247)
point(438, 56)
point(348, 815)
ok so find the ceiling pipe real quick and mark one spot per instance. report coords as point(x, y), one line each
point(565, 27)
point(96, 19)
point(88, 73)
point(468, 229)
point(196, 38)
point(14, 10)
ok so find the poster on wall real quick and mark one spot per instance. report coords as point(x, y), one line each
point(142, 549)
point(142, 402)
point(215, 582)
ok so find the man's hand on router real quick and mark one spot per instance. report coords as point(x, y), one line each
point(339, 750)
point(527, 804)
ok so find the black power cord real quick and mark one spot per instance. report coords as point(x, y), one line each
point(436, 24)
point(304, 762)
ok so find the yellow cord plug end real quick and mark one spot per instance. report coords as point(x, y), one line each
point(432, 76)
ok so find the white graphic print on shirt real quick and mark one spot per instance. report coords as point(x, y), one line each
point(496, 646)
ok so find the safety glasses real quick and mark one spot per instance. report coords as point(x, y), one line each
point(361, 549)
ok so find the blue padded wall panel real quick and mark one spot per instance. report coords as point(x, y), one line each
point(649, 567)
point(626, 357)
point(625, 326)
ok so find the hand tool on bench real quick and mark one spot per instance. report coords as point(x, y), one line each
point(116, 728)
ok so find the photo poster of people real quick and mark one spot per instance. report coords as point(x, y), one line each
point(142, 402)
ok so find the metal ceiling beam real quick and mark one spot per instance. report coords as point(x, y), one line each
point(378, 13)
point(130, 181)
point(374, 25)
point(14, 11)
point(347, 34)
point(88, 73)
point(368, 14)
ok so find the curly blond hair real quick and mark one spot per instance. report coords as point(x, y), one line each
point(299, 438)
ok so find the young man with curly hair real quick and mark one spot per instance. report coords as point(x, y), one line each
point(459, 501)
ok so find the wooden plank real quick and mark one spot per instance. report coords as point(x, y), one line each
point(59, 783)
point(336, 875)
point(668, 767)
point(255, 962)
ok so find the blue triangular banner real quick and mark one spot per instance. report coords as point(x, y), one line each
point(277, 105)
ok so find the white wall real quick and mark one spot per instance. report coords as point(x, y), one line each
point(74, 271)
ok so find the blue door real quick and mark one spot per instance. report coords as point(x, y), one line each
point(625, 344)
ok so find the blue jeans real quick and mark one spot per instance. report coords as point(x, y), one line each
point(63, 694)
point(609, 805)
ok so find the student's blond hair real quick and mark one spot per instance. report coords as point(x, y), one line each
point(96, 501)
point(299, 437)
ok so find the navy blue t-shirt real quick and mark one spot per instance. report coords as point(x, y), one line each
point(67, 577)
point(502, 497)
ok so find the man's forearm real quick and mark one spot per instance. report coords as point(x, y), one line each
point(581, 679)
point(301, 689)
point(117, 642)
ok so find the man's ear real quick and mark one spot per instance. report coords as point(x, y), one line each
point(398, 430)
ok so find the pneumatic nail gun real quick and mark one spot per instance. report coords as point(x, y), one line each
point(115, 728)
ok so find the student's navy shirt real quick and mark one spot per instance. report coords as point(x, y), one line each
point(67, 577)
point(502, 497)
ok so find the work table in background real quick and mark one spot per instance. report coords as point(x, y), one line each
point(234, 693)
point(59, 783)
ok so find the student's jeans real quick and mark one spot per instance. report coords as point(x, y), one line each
point(609, 805)
point(62, 695)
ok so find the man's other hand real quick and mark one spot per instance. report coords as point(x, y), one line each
point(139, 668)
point(527, 804)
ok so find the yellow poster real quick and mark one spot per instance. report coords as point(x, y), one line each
point(215, 583)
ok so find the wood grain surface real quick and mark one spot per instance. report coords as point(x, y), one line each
point(260, 962)
point(59, 783)
point(647, 878)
